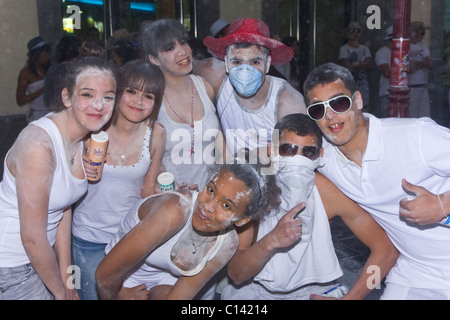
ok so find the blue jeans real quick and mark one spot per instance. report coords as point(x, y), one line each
point(22, 283)
point(87, 255)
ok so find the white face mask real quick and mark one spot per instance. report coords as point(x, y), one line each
point(296, 178)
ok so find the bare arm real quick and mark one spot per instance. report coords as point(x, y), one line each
point(383, 253)
point(160, 218)
point(157, 153)
point(213, 70)
point(251, 257)
point(291, 101)
point(385, 70)
point(31, 162)
point(63, 251)
point(22, 97)
point(367, 64)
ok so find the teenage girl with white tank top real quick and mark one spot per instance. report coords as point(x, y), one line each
point(136, 146)
point(43, 177)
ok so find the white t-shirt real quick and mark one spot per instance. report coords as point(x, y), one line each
point(417, 150)
point(418, 52)
point(353, 54)
point(311, 260)
point(383, 56)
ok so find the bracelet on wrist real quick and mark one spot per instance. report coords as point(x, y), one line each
point(446, 219)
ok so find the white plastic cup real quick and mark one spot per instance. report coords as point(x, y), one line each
point(166, 182)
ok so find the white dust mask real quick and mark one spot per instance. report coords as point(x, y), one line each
point(296, 178)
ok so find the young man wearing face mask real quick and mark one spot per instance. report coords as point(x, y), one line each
point(249, 102)
point(290, 255)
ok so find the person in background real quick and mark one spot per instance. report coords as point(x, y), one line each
point(219, 28)
point(67, 49)
point(170, 245)
point(291, 70)
point(44, 175)
point(357, 58)
point(383, 62)
point(133, 161)
point(121, 51)
point(90, 48)
point(397, 170)
point(420, 63)
point(30, 83)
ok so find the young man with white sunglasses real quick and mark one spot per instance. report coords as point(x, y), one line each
point(289, 254)
point(397, 170)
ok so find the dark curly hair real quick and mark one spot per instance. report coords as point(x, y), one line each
point(265, 193)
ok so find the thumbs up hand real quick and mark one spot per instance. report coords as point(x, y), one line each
point(424, 209)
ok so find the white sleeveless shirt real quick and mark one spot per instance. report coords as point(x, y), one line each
point(65, 190)
point(245, 128)
point(97, 216)
point(158, 267)
point(177, 159)
point(311, 260)
point(37, 108)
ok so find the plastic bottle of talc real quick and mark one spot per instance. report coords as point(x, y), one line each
point(97, 152)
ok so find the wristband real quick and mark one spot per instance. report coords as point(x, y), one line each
point(446, 220)
point(442, 207)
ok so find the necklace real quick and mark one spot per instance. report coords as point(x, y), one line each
point(72, 160)
point(194, 251)
point(123, 156)
point(191, 124)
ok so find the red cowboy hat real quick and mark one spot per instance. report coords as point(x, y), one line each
point(254, 32)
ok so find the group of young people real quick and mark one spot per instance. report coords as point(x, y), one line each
point(263, 218)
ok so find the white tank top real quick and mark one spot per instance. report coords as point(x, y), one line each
point(65, 190)
point(199, 167)
point(312, 260)
point(37, 107)
point(97, 216)
point(158, 265)
point(244, 128)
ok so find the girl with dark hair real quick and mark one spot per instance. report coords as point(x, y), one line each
point(133, 160)
point(187, 110)
point(43, 177)
point(30, 83)
point(185, 237)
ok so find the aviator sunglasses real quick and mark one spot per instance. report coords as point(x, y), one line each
point(341, 104)
point(290, 150)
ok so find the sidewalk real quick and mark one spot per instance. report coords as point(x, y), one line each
point(352, 255)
